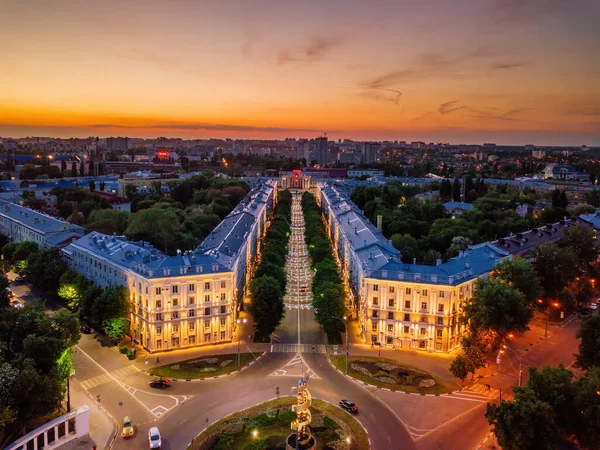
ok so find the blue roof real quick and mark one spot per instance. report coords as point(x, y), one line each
point(474, 262)
point(458, 205)
point(36, 220)
point(143, 258)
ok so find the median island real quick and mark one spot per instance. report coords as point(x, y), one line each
point(203, 366)
point(390, 374)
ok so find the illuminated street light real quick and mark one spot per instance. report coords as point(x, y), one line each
point(255, 433)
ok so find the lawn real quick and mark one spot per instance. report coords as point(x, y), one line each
point(330, 426)
point(387, 373)
point(203, 366)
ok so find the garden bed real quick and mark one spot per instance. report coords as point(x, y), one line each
point(203, 366)
point(266, 427)
point(390, 374)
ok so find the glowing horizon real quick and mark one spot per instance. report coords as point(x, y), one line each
point(466, 71)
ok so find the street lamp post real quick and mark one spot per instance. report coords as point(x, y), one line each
point(554, 304)
point(239, 321)
point(520, 363)
point(346, 328)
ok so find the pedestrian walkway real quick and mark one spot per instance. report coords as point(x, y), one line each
point(476, 393)
point(106, 378)
point(295, 367)
point(299, 275)
point(298, 348)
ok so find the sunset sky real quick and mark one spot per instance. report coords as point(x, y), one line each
point(460, 71)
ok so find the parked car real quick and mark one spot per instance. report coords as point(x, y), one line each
point(593, 306)
point(85, 329)
point(154, 438)
point(19, 279)
point(160, 383)
point(349, 406)
point(127, 428)
point(16, 304)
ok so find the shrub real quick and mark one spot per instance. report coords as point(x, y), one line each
point(328, 422)
point(123, 349)
point(131, 354)
point(258, 444)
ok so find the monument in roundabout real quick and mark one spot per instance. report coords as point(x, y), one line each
point(302, 439)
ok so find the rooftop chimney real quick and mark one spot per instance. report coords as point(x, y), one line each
point(379, 222)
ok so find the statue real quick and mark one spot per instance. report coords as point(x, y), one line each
point(302, 439)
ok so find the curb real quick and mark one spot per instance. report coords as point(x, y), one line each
point(112, 440)
point(362, 383)
point(147, 372)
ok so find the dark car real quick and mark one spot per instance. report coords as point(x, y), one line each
point(161, 383)
point(349, 406)
point(85, 329)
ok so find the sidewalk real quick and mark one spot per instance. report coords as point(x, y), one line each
point(102, 427)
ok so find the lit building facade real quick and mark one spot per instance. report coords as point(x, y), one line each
point(397, 304)
point(189, 299)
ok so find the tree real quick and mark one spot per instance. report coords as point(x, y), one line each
point(63, 166)
point(408, 245)
point(92, 185)
point(81, 168)
point(73, 169)
point(582, 208)
point(4, 286)
point(526, 423)
point(44, 269)
point(587, 422)
point(130, 190)
point(66, 327)
point(267, 304)
point(156, 225)
point(112, 303)
point(460, 368)
point(102, 186)
point(582, 241)
point(556, 267)
point(456, 190)
point(496, 309)
point(589, 347)
point(520, 274)
point(116, 327)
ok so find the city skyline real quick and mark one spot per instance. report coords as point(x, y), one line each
point(507, 72)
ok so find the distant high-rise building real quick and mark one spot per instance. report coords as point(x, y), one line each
point(117, 143)
point(370, 151)
point(319, 150)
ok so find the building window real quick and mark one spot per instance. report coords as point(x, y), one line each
point(206, 286)
point(157, 291)
point(175, 302)
point(407, 317)
point(374, 326)
point(158, 330)
point(175, 289)
point(439, 333)
point(421, 344)
point(425, 292)
point(375, 314)
point(423, 331)
point(159, 343)
point(207, 311)
point(376, 287)
point(440, 321)
point(408, 291)
point(192, 287)
point(159, 317)
point(441, 294)
point(222, 335)
point(373, 338)
point(192, 300)
point(159, 303)
point(424, 305)
point(391, 289)
point(191, 313)
point(376, 301)
point(222, 296)
point(390, 328)
point(175, 315)
point(191, 326)
point(192, 339)
point(206, 337)
point(391, 302)
point(391, 315)
point(407, 304)
point(207, 324)
point(207, 298)
point(175, 328)
point(223, 309)
point(441, 308)
point(406, 329)
point(223, 284)
point(222, 322)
